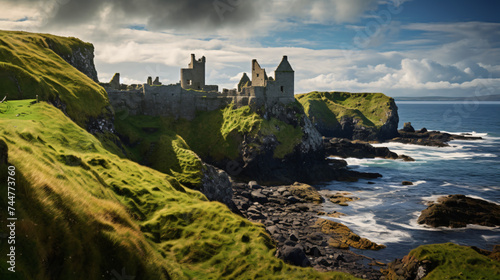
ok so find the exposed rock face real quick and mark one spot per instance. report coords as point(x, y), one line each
point(102, 124)
point(216, 186)
point(458, 211)
point(305, 164)
point(345, 148)
point(81, 57)
point(408, 268)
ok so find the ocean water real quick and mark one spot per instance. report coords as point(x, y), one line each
point(387, 211)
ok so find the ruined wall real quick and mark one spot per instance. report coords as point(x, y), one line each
point(259, 77)
point(168, 101)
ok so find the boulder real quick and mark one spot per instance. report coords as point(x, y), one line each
point(305, 192)
point(457, 211)
point(294, 255)
point(408, 128)
point(216, 186)
point(406, 183)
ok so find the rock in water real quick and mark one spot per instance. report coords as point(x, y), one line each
point(457, 211)
point(408, 128)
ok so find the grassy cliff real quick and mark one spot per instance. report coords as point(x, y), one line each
point(214, 135)
point(84, 213)
point(31, 65)
point(340, 113)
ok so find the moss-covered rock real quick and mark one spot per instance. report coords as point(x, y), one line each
point(342, 237)
point(363, 116)
point(443, 261)
point(306, 192)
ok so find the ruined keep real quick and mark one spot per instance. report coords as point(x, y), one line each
point(184, 99)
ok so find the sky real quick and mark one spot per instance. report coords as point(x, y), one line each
point(398, 47)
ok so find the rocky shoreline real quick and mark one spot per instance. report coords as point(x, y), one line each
point(294, 218)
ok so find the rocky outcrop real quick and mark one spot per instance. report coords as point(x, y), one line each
point(81, 57)
point(408, 128)
point(216, 186)
point(408, 135)
point(345, 148)
point(342, 237)
point(306, 163)
point(408, 268)
point(457, 211)
point(356, 116)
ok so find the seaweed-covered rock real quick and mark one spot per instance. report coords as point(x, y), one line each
point(343, 237)
point(305, 192)
point(459, 210)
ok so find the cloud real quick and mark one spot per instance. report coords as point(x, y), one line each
point(324, 11)
point(423, 76)
point(206, 17)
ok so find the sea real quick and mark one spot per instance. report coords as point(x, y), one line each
point(387, 211)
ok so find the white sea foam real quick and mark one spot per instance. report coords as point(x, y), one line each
point(489, 238)
point(366, 226)
point(418, 183)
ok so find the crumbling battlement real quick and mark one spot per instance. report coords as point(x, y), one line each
point(184, 99)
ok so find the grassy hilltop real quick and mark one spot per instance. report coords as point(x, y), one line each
point(31, 65)
point(340, 114)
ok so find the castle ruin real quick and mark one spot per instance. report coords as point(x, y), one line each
point(191, 94)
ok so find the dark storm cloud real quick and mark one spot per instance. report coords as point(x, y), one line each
point(157, 14)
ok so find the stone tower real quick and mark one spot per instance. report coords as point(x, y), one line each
point(193, 77)
point(284, 76)
point(259, 76)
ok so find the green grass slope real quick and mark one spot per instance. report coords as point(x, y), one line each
point(453, 261)
point(214, 135)
point(369, 108)
point(373, 111)
point(29, 67)
point(84, 213)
